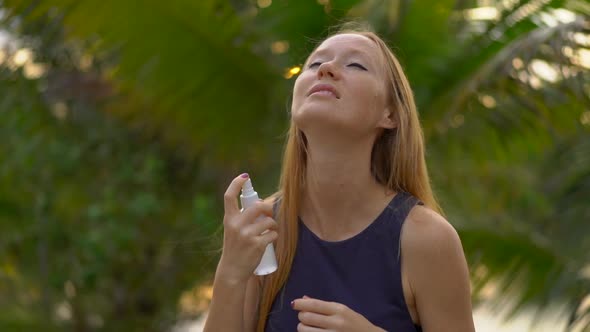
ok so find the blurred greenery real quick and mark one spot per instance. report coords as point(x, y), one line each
point(122, 122)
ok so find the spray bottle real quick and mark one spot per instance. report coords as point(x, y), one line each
point(268, 263)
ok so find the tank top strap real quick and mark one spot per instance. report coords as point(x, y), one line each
point(398, 210)
point(401, 206)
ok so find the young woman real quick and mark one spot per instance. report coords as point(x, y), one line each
point(360, 242)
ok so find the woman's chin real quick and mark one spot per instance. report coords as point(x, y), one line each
point(316, 110)
point(315, 117)
point(324, 126)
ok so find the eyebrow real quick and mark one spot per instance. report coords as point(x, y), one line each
point(354, 51)
point(351, 51)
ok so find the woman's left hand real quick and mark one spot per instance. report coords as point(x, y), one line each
point(319, 316)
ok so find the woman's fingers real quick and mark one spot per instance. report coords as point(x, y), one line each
point(306, 328)
point(230, 198)
point(239, 221)
point(232, 211)
point(314, 319)
point(261, 232)
point(258, 209)
point(318, 306)
point(260, 225)
point(246, 234)
point(267, 238)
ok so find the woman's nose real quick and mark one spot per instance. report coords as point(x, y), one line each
point(327, 69)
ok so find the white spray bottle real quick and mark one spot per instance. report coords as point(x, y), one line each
point(268, 263)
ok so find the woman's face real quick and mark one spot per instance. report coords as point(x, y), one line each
point(342, 89)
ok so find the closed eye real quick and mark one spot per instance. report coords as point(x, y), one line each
point(358, 65)
point(315, 64)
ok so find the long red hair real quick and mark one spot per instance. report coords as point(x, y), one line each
point(397, 161)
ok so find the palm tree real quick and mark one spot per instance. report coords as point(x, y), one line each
point(502, 91)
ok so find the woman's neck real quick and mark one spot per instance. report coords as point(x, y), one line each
point(341, 197)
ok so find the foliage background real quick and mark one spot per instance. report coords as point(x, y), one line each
point(122, 122)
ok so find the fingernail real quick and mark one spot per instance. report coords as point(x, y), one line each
point(244, 175)
point(293, 304)
point(306, 297)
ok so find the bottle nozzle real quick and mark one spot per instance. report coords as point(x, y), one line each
point(247, 188)
point(248, 197)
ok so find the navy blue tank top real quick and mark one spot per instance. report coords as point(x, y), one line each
point(362, 272)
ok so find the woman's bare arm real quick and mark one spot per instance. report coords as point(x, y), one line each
point(437, 271)
point(233, 306)
point(251, 304)
point(227, 306)
point(245, 237)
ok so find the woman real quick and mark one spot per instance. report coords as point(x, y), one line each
point(354, 203)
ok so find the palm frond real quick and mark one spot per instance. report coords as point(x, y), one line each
point(523, 50)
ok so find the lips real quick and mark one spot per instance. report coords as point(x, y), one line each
point(324, 88)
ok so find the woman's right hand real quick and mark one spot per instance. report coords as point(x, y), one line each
point(243, 239)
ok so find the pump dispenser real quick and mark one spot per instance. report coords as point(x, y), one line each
point(268, 263)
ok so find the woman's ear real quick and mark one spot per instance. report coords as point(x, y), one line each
point(388, 120)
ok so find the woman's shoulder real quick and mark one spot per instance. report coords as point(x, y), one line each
point(436, 270)
point(429, 235)
point(433, 255)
